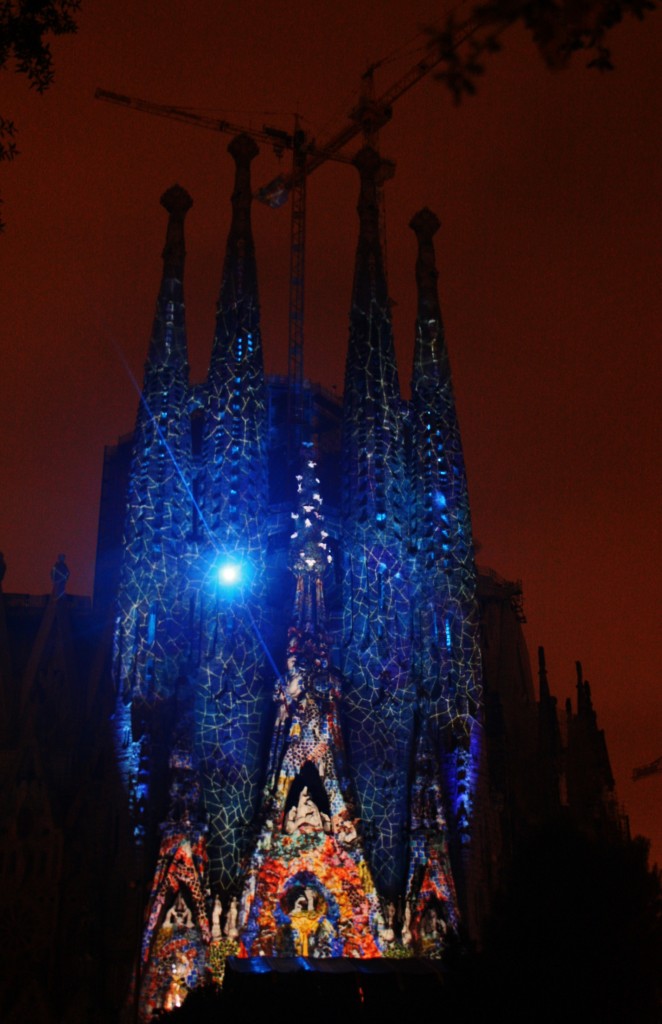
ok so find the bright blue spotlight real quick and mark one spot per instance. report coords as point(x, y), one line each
point(229, 574)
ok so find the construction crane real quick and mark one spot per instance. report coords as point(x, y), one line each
point(652, 768)
point(367, 117)
point(274, 195)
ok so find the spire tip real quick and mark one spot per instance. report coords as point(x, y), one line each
point(176, 200)
point(425, 224)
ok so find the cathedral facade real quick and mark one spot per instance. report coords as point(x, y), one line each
point(308, 731)
point(324, 765)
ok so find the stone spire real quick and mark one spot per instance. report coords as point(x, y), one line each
point(234, 445)
point(441, 516)
point(234, 500)
point(238, 305)
point(446, 663)
point(549, 766)
point(543, 682)
point(168, 342)
point(376, 621)
point(149, 642)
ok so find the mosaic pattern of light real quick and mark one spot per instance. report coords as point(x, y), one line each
point(369, 766)
point(447, 646)
point(232, 686)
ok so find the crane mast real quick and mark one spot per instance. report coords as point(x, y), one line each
point(367, 117)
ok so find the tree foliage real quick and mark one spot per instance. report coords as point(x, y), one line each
point(559, 29)
point(25, 27)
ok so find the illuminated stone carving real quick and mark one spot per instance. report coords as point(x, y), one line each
point(348, 853)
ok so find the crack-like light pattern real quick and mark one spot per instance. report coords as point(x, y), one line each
point(150, 635)
point(410, 611)
point(231, 672)
point(151, 641)
point(446, 662)
point(317, 874)
point(376, 628)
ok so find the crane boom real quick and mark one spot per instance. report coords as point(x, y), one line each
point(272, 136)
point(367, 117)
point(377, 112)
point(652, 768)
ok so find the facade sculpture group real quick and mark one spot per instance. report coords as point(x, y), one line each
point(325, 802)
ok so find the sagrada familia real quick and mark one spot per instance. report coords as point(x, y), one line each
point(296, 724)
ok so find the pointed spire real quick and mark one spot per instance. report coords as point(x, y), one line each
point(168, 342)
point(581, 689)
point(425, 225)
point(240, 277)
point(177, 202)
point(442, 519)
point(234, 445)
point(376, 614)
point(373, 442)
point(447, 659)
point(234, 499)
point(369, 277)
point(158, 505)
point(542, 676)
point(238, 306)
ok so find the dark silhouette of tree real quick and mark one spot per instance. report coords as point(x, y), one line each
point(25, 26)
point(559, 29)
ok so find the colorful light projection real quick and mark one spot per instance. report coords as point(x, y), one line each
point(177, 935)
point(431, 902)
point(309, 891)
point(325, 878)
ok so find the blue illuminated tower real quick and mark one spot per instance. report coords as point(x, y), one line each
point(234, 505)
point(447, 664)
point(376, 615)
point(151, 640)
point(203, 586)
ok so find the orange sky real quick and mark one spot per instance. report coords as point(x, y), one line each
point(548, 187)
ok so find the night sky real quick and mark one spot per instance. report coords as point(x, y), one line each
point(548, 187)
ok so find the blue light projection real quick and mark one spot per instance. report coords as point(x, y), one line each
point(371, 768)
point(449, 676)
point(229, 574)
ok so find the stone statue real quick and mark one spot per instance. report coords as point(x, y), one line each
point(179, 915)
point(388, 933)
point(231, 924)
point(217, 910)
point(406, 930)
point(305, 817)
